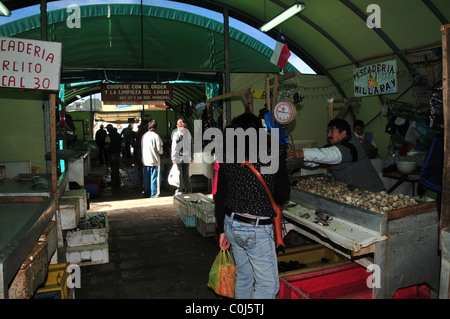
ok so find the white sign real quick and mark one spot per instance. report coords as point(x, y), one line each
point(376, 79)
point(30, 64)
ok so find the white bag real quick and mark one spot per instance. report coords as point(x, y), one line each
point(174, 176)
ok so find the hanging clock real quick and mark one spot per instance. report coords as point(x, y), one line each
point(284, 112)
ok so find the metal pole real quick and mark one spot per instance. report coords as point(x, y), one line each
point(227, 63)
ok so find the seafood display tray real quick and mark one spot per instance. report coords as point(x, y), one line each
point(340, 231)
point(402, 244)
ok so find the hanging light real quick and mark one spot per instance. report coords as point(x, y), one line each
point(283, 16)
point(4, 10)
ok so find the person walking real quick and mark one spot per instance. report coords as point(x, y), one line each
point(100, 137)
point(151, 148)
point(115, 147)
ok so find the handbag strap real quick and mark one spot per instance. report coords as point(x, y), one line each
point(274, 205)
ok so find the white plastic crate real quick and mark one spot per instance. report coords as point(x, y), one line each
point(69, 209)
point(205, 229)
point(84, 237)
point(88, 255)
point(187, 203)
point(205, 211)
point(81, 195)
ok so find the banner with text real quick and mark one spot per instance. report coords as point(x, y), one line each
point(376, 79)
point(30, 64)
point(136, 93)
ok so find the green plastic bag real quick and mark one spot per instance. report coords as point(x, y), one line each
point(222, 275)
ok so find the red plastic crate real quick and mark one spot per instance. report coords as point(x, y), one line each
point(328, 283)
point(347, 282)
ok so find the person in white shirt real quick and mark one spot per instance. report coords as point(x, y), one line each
point(152, 148)
point(347, 160)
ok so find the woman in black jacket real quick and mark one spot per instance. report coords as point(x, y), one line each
point(244, 212)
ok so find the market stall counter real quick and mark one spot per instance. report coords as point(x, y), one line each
point(32, 185)
point(26, 208)
point(400, 245)
point(22, 225)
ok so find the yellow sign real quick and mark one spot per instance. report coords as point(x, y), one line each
point(259, 94)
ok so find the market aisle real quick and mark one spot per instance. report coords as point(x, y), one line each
point(151, 252)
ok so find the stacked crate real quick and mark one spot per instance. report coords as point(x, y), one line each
point(205, 221)
point(196, 210)
point(88, 246)
point(81, 195)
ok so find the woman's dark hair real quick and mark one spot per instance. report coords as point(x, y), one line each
point(247, 121)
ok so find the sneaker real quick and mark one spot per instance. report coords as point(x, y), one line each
point(178, 193)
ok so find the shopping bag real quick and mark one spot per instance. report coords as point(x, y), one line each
point(174, 176)
point(222, 275)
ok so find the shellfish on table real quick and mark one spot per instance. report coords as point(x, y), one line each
point(380, 202)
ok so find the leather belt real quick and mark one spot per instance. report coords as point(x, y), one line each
point(252, 221)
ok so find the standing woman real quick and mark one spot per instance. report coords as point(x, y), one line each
point(244, 215)
point(152, 148)
point(182, 156)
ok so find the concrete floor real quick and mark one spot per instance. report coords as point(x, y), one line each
point(151, 252)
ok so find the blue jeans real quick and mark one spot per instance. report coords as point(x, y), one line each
point(253, 251)
point(151, 180)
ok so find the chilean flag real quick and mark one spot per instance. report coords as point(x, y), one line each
point(281, 53)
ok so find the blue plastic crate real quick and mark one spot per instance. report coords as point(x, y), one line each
point(189, 221)
point(93, 190)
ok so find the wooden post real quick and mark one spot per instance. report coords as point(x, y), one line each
point(250, 100)
point(445, 209)
point(275, 91)
point(268, 92)
point(330, 108)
